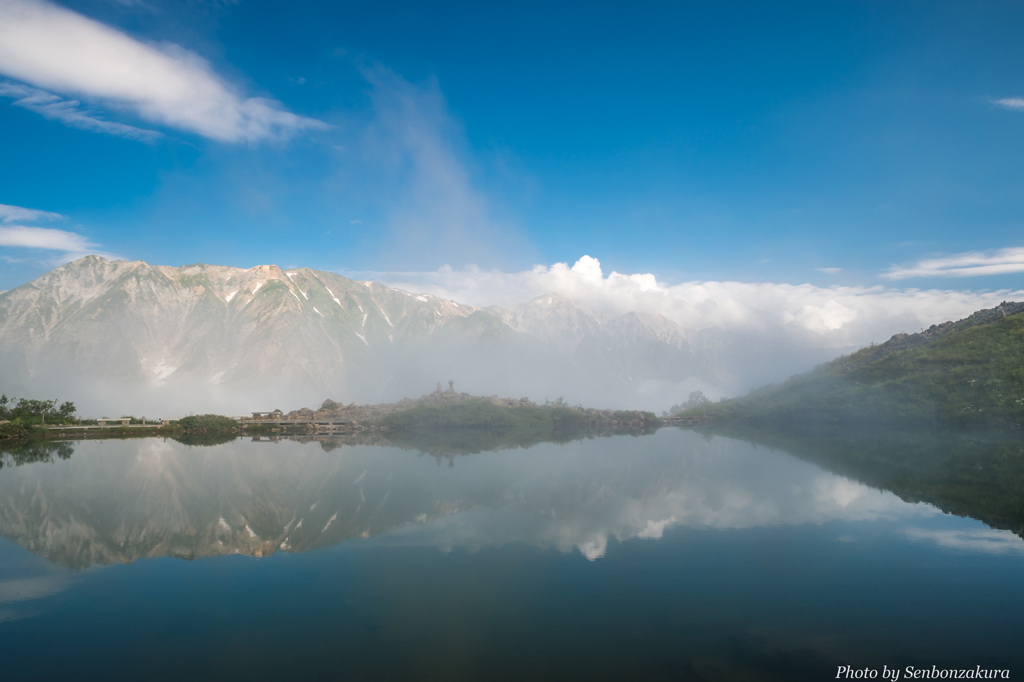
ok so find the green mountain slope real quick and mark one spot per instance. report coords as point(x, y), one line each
point(969, 372)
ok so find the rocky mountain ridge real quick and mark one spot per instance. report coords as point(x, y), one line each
point(132, 336)
point(904, 342)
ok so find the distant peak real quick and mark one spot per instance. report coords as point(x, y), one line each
point(266, 269)
point(88, 260)
point(552, 299)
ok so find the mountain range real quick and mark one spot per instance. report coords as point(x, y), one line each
point(127, 336)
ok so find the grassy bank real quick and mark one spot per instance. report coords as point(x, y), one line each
point(959, 374)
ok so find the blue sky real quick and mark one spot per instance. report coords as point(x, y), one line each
point(840, 144)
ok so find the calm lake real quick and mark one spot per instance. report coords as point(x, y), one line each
point(672, 556)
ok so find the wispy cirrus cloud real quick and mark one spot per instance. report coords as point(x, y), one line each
point(969, 264)
point(415, 144)
point(10, 214)
point(63, 245)
point(70, 112)
point(59, 51)
point(44, 238)
point(1014, 103)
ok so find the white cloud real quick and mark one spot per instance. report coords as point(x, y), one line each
point(64, 52)
point(969, 264)
point(737, 487)
point(68, 245)
point(828, 317)
point(25, 589)
point(69, 112)
point(985, 540)
point(43, 238)
point(9, 214)
point(830, 271)
point(1014, 103)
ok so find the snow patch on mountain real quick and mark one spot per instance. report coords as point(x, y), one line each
point(159, 370)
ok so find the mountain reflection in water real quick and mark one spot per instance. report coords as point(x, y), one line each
point(117, 501)
point(670, 556)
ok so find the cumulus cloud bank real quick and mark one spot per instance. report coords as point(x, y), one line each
point(56, 50)
point(835, 317)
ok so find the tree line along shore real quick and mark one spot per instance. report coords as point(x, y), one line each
point(29, 420)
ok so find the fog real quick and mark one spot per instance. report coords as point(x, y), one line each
point(622, 341)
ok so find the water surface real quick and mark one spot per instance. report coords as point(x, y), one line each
point(671, 556)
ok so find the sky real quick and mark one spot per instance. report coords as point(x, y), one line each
point(844, 151)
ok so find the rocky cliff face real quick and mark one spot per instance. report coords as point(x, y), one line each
point(136, 337)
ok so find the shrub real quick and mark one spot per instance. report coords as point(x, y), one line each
point(206, 423)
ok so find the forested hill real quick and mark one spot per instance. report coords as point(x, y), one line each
point(969, 372)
